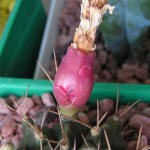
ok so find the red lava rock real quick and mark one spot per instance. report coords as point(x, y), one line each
point(124, 75)
point(83, 118)
point(92, 114)
point(126, 115)
point(147, 81)
point(97, 66)
point(3, 120)
point(16, 140)
point(24, 105)
point(48, 100)
point(8, 128)
point(64, 40)
point(106, 75)
point(3, 107)
point(133, 81)
point(141, 73)
point(146, 111)
point(37, 100)
point(8, 139)
point(13, 99)
point(142, 105)
point(53, 124)
point(132, 145)
point(102, 56)
point(85, 108)
point(138, 120)
point(34, 110)
point(19, 131)
point(107, 105)
point(143, 142)
point(16, 118)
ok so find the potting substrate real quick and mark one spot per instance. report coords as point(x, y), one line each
point(131, 119)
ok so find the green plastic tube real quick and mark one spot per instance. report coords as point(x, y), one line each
point(127, 92)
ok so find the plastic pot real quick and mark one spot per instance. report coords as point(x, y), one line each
point(20, 41)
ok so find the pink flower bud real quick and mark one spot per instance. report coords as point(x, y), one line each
point(74, 79)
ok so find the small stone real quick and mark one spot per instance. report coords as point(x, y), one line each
point(3, 107)
point(16, 140)
point(3, 120)
point(47, 99)
point(143, 142)
point(19, 130)
point(138, 120)
point(141, 74)
point(142, 105)
point(13, 99)
point(37, 100)
point(102, 56)
point(107, 105)
point(146, 111)
point(92, 114)
point(34, 110)
point(8, 128)
point(132, 145)
point(53, 124)
point(83, 118)
point(147, 81)
point(132, 81)
point(16, 118)
point(24, 105)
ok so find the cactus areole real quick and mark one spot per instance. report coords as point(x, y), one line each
point(74, 79)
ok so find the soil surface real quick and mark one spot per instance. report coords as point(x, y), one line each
point(133, 118)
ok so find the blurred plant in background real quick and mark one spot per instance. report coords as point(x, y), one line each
point(125, 31)
point(6, 7)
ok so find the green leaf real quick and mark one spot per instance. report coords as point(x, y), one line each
point(127, 27)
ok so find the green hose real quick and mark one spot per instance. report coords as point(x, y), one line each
point(127, 92)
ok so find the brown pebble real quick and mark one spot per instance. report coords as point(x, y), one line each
point(92, 114)
point(3, 107)
point(3, 120)
point(24, 105)
point(85, 108)
point(83, 117)
point(142, 105)
point(16, 118)
point(8, 139)
point(102, 56)
point(16, 140)
point(147, 81)
point(47, 99)
point(19, 131)
point(141, 74)
point(143, 142)
point(138, 120)
point(146, 111)
point(53, 124)
point(8, 128)
point(125, 117)
point(107, 105)
point(37, 100)
point(34, 110)
point(132, 145)
point(13, 99)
